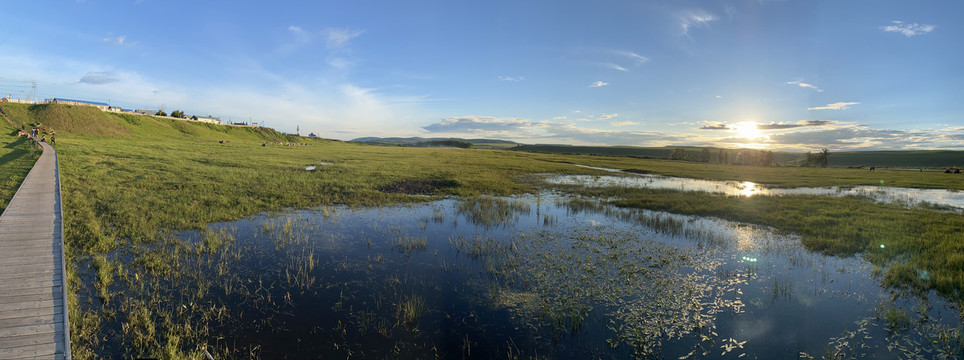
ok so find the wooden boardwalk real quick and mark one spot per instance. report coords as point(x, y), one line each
point(33, 314)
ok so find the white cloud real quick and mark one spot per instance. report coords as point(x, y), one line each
point(598, 84)
point(614, 66)
point(623, 123)
point(804, 85)
point(511, 78)
point(340, 38)
point(834, 106)
point(908, 29)
point(119, 40)
point(608, 116)
point(694, 19)
point(559, 118)
point(638, 59)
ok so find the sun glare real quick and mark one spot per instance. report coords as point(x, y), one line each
point(747, 130)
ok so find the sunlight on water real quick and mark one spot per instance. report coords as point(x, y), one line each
point(749, 189)
point(905, 196)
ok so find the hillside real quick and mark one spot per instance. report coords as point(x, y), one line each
point(83, 121)
point(418, 141)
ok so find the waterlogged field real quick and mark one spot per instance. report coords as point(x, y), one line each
point(546, 276)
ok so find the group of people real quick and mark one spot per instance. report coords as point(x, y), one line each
point(39, 131)
point(956, 170)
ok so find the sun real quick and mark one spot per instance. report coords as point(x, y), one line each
point(747, 130)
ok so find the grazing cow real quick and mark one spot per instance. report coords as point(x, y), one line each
point(873, 168)
point(957, 171)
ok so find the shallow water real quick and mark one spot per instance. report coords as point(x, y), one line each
point(908, 196)
point(551, 276)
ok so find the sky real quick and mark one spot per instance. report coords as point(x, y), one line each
point(793, 75)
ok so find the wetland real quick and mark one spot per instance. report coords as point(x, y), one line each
point(180, 246)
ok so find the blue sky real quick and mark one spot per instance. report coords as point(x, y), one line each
point(785, 75)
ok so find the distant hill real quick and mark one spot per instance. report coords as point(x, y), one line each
point(644, 152)
point(420, 141)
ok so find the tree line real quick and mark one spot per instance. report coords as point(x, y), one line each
point(723, 156)
point(743, 156)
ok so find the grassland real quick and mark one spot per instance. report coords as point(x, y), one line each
point(127, 179)
point(17, 156)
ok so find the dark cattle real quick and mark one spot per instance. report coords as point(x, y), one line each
point(873, 168)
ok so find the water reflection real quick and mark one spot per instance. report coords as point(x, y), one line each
point(489, 277)
point(905, 196)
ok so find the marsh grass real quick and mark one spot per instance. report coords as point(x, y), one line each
point(916, 248)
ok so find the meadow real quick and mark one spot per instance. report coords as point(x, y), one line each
point(131, 182)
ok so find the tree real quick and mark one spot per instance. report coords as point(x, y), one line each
point(811, 159)
point(823, 157)
point(161, 113)
point(177, 113)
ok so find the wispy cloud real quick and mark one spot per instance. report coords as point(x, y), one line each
point(834, 106)
point(908, 29)
point(613, 66)
point(117, 40)
point(99, 78)
point(608, 116)
point(340, 38)
point(511, 78)
point(715, 126)
point(598, 84)
point(547, 132)
point(636, 58)
point(771, 126)
point(805, 85)
point(695, 19)
point(623, 123)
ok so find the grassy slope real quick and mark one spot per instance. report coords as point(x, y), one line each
point(17, 156)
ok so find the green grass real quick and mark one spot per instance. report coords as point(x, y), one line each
point(919, 248)
point(128, 179)
point(17, 156)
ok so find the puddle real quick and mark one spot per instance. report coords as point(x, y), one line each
point(907, 196)
point(546, 275)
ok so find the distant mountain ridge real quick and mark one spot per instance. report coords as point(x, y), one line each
point(420, 141)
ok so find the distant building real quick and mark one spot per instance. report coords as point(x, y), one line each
point(99, 105)
point(312, 135)
point(210, 119)
point(145, 112)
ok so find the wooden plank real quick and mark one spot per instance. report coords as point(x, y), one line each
point(19, 314)
point(28, 305)
point(50, 339)
point(32, 329)
point(43, 351)
point(30, 320)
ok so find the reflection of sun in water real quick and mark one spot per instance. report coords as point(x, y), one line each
point(748, 189)
point(747, 130)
